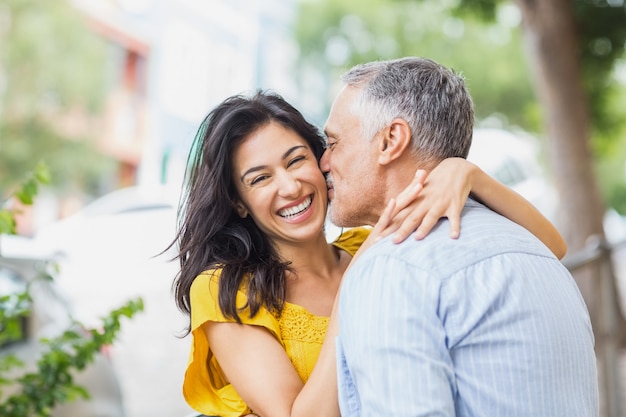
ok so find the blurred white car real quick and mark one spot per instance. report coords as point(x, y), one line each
point(110, 252)
point(51, 316)
point(106, 250)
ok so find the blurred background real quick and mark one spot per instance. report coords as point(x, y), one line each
point(109, 94)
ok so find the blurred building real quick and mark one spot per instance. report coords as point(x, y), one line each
point(171, 61)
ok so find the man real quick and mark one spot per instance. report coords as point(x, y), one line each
point(490, 324)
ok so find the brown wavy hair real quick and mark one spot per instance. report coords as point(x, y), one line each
point(210, 232)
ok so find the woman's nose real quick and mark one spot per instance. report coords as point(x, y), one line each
point(288, 185)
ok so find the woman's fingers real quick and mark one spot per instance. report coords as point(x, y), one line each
point(406, 224)
point(429, 221)
point(455, 225)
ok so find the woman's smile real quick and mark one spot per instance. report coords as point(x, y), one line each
point(296, 209)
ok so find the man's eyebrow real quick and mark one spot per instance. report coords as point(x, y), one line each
point(262, 167)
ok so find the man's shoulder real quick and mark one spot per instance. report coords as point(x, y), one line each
point(484, 234)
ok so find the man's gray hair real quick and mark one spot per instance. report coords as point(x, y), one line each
point(431, 98)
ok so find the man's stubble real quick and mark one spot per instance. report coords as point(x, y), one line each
point(358, 200)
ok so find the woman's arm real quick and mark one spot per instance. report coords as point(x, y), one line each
point(257, 365)
point(444, 193)
point(507, 202)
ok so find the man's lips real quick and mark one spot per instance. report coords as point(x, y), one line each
point(329, 183)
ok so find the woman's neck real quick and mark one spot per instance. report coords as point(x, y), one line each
point(317, 271)
point(316, 256)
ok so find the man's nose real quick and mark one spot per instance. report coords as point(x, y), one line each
point(324, 166)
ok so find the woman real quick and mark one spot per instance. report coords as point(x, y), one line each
point(257, 276)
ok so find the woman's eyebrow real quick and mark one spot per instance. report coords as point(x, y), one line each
point(251, 170)
point(292, 150)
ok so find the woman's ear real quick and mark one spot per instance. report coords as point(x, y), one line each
point(242, 211)
point(394, 142)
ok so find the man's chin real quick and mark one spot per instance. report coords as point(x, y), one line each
point(340, 217)
point(333, 215)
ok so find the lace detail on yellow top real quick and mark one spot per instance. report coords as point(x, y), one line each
point(297, 324)
point(298, 329)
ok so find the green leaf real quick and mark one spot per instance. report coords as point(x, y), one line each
point(42, 173)
point(7, 222)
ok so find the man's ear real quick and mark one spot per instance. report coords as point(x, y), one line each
point(395, 140)
point(242, 211)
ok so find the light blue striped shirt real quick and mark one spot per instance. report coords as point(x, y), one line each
point(487, 325)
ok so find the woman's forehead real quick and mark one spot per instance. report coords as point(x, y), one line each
point(268, 142)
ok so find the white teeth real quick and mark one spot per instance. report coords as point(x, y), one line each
point(292, 211)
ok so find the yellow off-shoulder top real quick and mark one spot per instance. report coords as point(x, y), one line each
point(301, 334)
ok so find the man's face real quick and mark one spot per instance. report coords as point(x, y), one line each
point(350, 165)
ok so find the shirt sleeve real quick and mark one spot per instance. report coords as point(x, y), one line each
point(384, 368)
point(205, 387)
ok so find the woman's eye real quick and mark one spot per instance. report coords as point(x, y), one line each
point(258, 179)
point(296, 160)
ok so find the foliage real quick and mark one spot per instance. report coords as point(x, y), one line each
point(36, 393)
point(50, 58)
point(52, 383)
point(73, 163)
point(334, 35)
point(13, 308)
point(51, 68)
point(25, 195)
point(602, 36)
point(602, 31)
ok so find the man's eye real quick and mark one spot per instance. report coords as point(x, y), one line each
point(330, 145)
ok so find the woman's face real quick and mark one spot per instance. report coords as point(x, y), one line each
point(280, 184)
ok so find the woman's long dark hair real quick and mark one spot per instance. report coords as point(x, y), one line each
point(210, 232)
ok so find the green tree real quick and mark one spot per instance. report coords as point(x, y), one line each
point(50, 65)
point(572, 47)
point(334, 35)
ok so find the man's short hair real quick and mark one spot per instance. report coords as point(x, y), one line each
point(431, 98)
